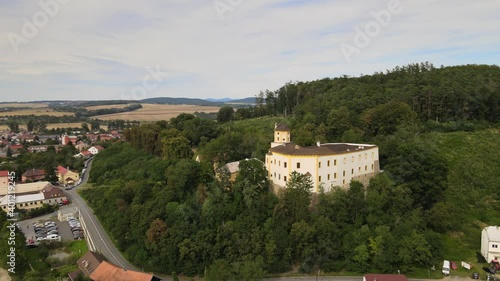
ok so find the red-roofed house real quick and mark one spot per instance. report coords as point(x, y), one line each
point(85, 154)
point(109, 272)
point(66, 139)
point(33, 175)
point(105, 137)
point(66, 176)
point(4, 179)
point(16, 147)
point(96, 149)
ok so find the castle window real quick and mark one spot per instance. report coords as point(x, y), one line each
point(372, 166)
point(279, 176)
point(274, 174)
point(343, 173)
point(328, 163)
point(319, 164)
point(319, 178)
point(328, 177)
point(359, 169)
point(352, 171)
point(335, 162)
point(298, 165)
point(366, 168)
point(284, 178)
point(343, 181)
point(279, 163)
point(335, 175)
point(284, 164)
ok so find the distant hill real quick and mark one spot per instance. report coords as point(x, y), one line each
point(219, 100)
point(251, 100)
point(166, 100)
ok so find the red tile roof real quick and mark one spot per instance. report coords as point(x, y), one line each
point(99, 148)
point(61, 170)
point(4, 173)
point(109, 272)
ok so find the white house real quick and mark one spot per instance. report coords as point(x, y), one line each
point(490, 243)
point(95, 149)
point(328, 165)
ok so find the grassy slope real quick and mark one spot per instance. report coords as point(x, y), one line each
point(474, 179)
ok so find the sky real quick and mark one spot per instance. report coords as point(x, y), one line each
point(122, 49)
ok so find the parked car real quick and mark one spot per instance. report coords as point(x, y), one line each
point(454, 265)
point(40, 238)
point(446, 267)
point(475, 275)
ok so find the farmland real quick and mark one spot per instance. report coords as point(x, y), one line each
point(22, 105)
point(97, 107)
point(36, 112)
point(155, 112)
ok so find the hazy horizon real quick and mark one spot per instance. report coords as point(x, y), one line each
point(115, 50)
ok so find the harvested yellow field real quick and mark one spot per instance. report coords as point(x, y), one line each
point(71, 125)
point(96, 107)
point(16, 104)
point(36, 112)
point(157, 112)
point(6, 127)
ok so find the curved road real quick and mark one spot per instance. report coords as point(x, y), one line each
point(97, 238)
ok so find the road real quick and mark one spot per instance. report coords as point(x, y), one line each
point(96, 235)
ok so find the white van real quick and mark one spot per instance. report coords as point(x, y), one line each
point(446, 267)
point(53, 237)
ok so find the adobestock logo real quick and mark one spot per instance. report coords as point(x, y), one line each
point(225, 6)
point(40, 19)
point(363, 37)
point(150, 82)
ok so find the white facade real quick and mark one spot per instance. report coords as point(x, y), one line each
point(360, 163)
point(490, 243)
point(328, 165)
point(93, 150)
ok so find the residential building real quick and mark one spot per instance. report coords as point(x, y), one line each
point(96, 149)
point(490, 243)
point(233, 168)
point(88, 263)
point(66, 139)
point(44, 138)
point(328, 165)
point(50, 195)
point(33, 175)
point(110, 272)
point(84, 154)
point(4, 180)
point(42, 148)
point(24, 188)
point(81, 145)
point(66, 176)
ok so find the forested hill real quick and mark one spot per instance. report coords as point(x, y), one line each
point(440, 94)
point(436, 130)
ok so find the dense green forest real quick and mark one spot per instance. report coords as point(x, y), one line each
point(437, 131)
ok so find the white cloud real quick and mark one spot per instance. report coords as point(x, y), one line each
point(99, 49)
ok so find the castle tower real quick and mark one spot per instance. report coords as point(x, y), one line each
point(281, 135)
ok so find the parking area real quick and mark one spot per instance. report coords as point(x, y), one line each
point(44, 225)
